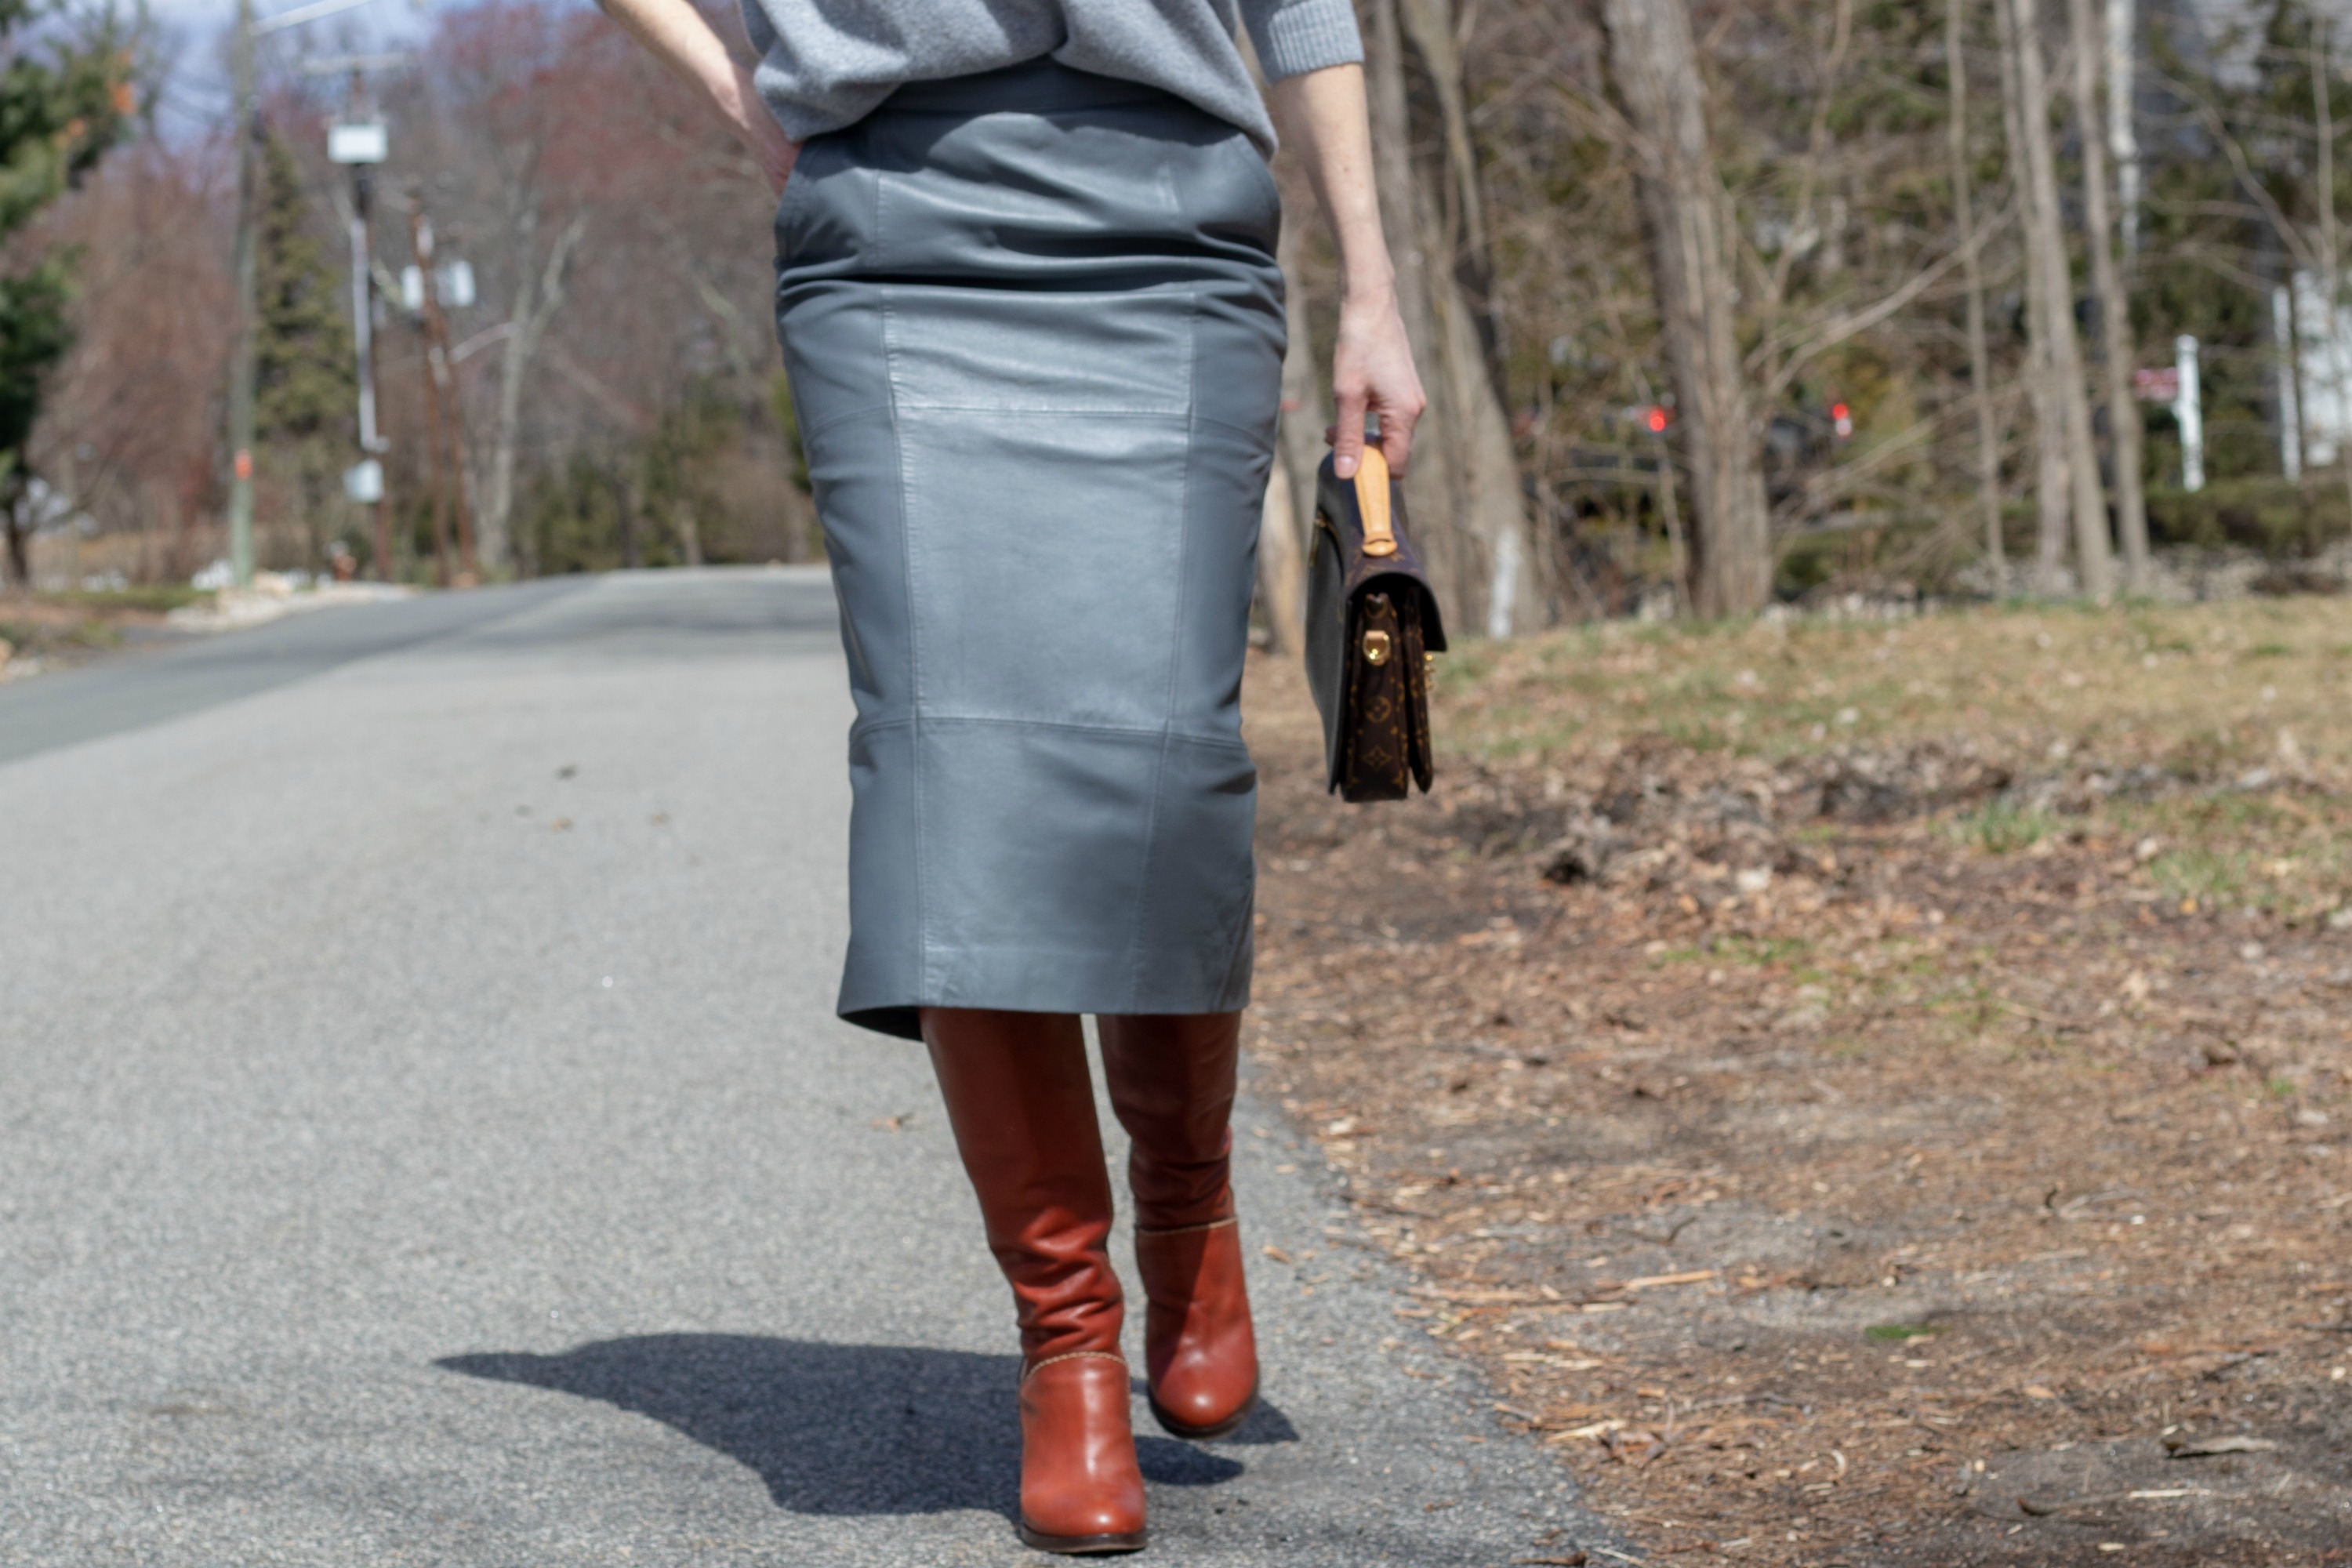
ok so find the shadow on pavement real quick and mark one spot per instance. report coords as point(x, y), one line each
point(841, 1429)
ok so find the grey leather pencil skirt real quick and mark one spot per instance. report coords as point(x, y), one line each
point(1034, 332)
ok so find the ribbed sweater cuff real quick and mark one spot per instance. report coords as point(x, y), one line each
point(1301, 35)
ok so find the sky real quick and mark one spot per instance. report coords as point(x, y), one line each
point(195, 47)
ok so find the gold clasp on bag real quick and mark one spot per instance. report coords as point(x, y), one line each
point(1376, 646)
point(1373, 501)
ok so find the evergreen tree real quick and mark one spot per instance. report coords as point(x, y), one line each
point(305, 369)
point(65, 98)
point(304, 374)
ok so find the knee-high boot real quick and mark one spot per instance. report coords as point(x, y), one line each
point(1172, 1083)
point(1022, 1105)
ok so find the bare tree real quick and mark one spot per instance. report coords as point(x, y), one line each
point(2116, 354)
point(1464, 485)
point(2067, 475)
point(1653, 70)
point(2330, 253)
point(1979, 360)
point(1281, 570)
point(1733, 210)
point(494, 90)
point(1304, 416)
point(1517, 587)
point(539, 294)
point(1285, 534)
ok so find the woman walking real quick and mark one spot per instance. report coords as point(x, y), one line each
point(1029, 306)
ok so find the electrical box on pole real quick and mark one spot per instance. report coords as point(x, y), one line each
point(364, 142)
point(452, 286)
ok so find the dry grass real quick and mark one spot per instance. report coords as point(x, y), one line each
point(1865, 1093)
point(49, 631)
point(2202, 683)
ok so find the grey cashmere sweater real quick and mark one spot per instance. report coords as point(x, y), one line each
point(824, 64)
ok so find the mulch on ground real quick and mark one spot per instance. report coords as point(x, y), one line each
point(1918, 1143)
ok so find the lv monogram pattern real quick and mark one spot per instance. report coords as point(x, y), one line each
point(1384, 747)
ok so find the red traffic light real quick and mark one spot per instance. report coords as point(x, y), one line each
point(1657, 420)
point(1841, 420)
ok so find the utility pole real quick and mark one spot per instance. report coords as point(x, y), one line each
point(420, 246)
point(360, 141)
point(371, 444)
point(443, 412)
point(246, 114)
point(241, 354)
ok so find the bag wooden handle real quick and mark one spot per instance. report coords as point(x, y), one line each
point(1372, 502)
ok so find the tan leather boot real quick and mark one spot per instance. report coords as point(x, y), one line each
point(1172, 1083)
point(1080, 1490)
point(1022, 1104)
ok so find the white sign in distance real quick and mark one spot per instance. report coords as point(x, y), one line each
point(364, 482)
point(356, 143)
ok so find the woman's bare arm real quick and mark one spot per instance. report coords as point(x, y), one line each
point(1323, 120)
point(681, 40)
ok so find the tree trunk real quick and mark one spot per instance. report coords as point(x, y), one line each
point(2331, 253)
point(1654, 71)
point(1518, 587)
point(20, 563)
point(2123, 135)
point(624, 518)
point(2049, 476)
point(1430, 485)
point(1467, 503)
point(539, 294)
point(1286, 531)
point(1304, 417)
point(1973, 273)
point(1281, 573)
point(497, 496)
point(2049, 275)
point(2117, 353)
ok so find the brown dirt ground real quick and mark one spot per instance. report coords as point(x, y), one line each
point(1910, 1135)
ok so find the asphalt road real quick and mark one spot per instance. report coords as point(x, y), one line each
point(424, 1138)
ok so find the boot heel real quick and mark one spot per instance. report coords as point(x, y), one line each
point(1081, 1545)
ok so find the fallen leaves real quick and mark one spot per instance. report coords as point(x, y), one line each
point(1854, 1099)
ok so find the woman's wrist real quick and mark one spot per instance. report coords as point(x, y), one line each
point(737, 97)
point(730, 91)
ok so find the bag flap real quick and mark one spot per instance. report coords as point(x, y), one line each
point(1367, 518)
